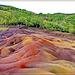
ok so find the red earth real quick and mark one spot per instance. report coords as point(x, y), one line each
point(36, 51)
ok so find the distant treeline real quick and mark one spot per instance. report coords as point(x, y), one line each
point(56, 22)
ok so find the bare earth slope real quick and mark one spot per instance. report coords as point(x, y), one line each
point(33, 51)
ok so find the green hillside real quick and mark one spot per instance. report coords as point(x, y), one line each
point(58, 22)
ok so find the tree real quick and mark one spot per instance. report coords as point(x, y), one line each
point(22, 20)
point(36, 21)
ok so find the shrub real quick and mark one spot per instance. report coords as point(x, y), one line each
point(73, 32)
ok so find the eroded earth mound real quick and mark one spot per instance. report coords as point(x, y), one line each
point(24, 51)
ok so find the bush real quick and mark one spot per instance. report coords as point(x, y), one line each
point(73, 32)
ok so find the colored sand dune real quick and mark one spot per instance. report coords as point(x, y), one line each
point(24, 51)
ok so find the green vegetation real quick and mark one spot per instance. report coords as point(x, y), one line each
point(56, 22)
point(73, 32)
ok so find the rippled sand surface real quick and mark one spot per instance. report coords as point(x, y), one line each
point(25, 51)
